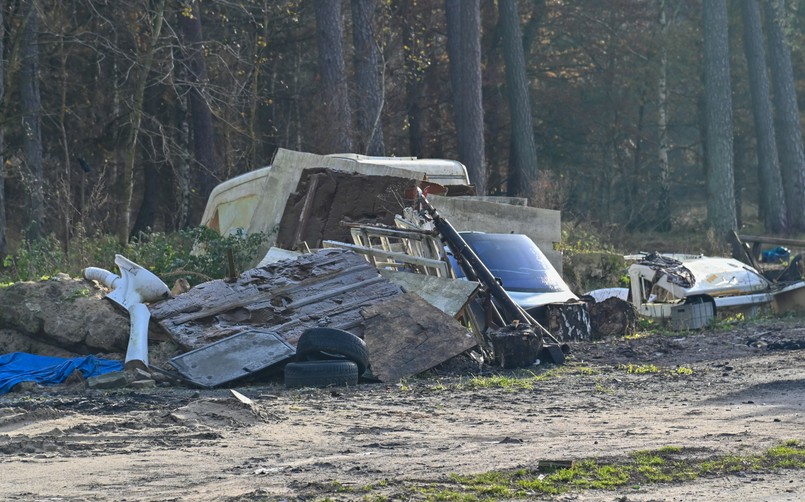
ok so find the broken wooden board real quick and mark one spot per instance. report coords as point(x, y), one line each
point(325, 197)
point(323, 289)
point(406, 335)
point(448, 295)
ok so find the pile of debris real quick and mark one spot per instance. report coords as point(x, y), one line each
point(405, 296)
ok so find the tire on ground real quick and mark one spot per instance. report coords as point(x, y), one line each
point(332, 373)
point(332, 343)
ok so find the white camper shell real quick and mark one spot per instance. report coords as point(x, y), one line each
point(254, 202)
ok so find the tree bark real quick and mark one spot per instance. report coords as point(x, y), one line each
point(772, 197)
point(718, 105)
point(663, 166)
point(3, 220)
point(337, 112)
point(126, 181)
point(31, 118)
point(523, 165)
point(464, 51)
point(414, 77)
point(787, 128)
point(368, 78)
point(182, 158)
point(200, 113)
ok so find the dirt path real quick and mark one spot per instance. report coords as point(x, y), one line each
point(746, 393)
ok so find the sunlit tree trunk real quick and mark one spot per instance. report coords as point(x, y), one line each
point(772, 198)
point(718, 105)
point(787, 128)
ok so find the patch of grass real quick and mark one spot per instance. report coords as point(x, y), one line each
point(603, 389)
point(504, 382)
point(668, 464)
point(727, 322)
point(522, 379)
point(338, 487)
point(638, 369)
point(684, 370)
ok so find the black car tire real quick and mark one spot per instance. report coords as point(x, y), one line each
point(332, 373)
point(332, 343)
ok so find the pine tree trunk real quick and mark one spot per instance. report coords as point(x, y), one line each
point(772, 198)
point(31, 118)
point(523, 175)
point(126, 182)
point(718, 104)
point(368, 78)
point(3, 220)
point(663, 167)
point(337, 112)
point(200, 113)
point(787, 128)
point(414, 77)
point(464, 51)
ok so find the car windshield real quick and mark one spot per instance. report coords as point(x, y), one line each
point(516, 261)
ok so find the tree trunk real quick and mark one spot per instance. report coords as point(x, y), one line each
point(181, 158)
point(337, 112)
point(200, 113)
point(31, 118)
point(772, 198)
point(718, 104)
point(146, 219)
point(3, 221)
point(464, 51)
point(126, 182)
point(368, 78)
point(523, 172)
point(787, 128)
point(414, 77)
point(67, 202)
point(663, 167)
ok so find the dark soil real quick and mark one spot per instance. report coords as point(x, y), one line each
point(736, 390)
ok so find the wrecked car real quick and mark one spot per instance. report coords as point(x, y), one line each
point(688, 290)
point(521, 267)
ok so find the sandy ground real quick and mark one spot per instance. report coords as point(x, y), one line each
point(746, 394)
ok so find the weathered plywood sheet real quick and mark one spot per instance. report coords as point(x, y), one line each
point(448, 295)
point(325, 197)
point(326, 288)
point(283, 178)
point(406, 335)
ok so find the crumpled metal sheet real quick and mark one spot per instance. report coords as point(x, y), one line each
point(676, 272)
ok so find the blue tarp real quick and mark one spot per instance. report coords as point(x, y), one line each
point(19, 367)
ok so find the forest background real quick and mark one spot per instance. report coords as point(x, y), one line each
point(653, 116)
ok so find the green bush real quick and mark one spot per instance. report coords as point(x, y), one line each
point(197, 254)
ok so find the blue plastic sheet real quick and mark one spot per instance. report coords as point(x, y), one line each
point(19, 367)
